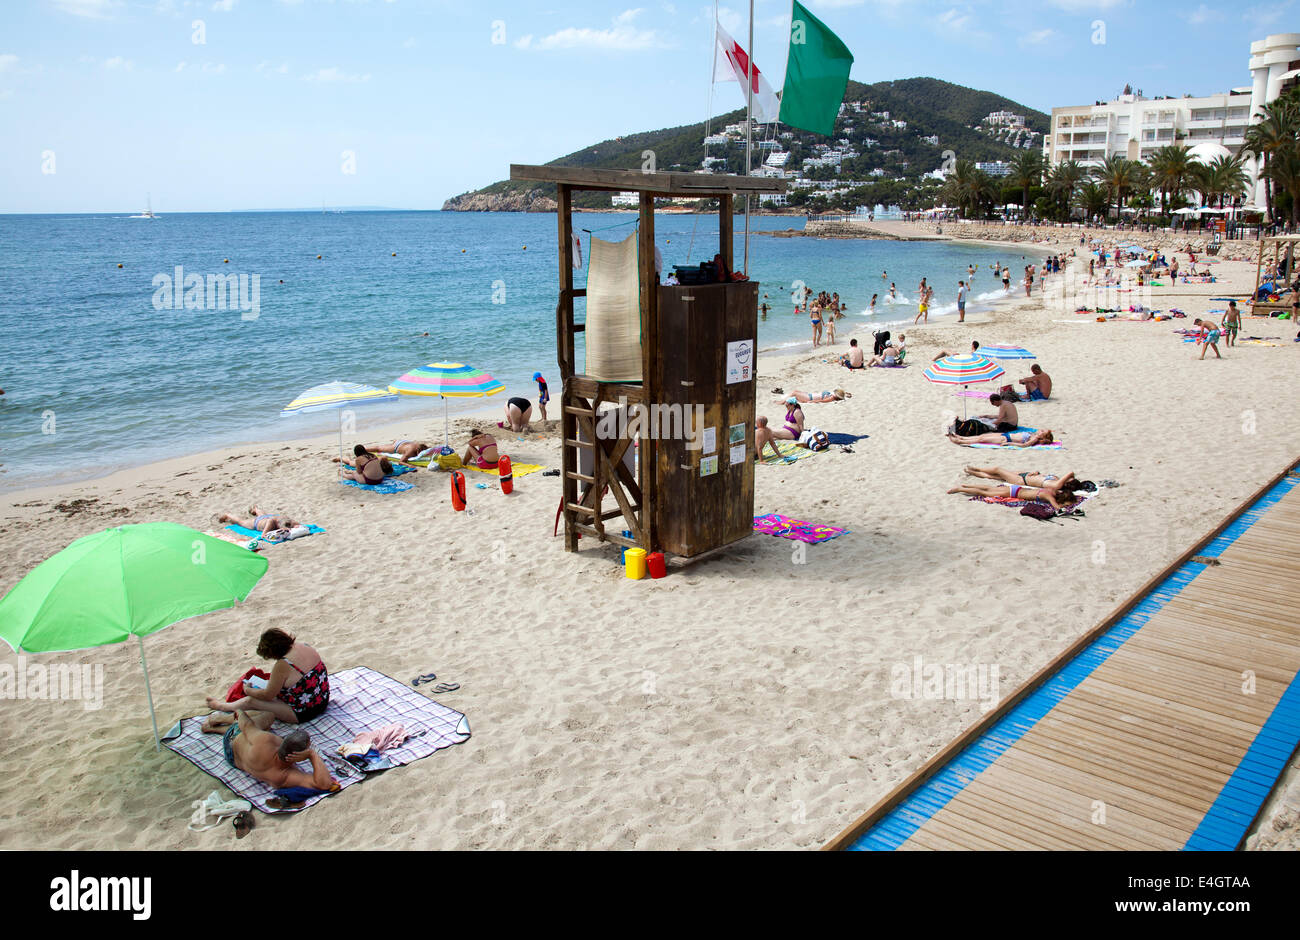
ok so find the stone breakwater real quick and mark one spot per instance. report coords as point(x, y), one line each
point(1047, 236)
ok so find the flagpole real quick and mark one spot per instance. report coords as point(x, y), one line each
point(749, 124)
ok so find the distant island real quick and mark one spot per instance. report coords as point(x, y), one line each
point(889, 143)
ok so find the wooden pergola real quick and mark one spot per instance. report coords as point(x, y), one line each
point(679, 501)
point(1281, 245)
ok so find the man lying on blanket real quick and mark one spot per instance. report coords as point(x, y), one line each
point(272, 759)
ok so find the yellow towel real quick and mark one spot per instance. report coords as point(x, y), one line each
point(517, 469)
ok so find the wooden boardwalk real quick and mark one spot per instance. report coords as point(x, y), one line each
point(1166, 727)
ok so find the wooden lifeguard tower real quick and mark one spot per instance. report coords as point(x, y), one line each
point(683, 500)
point(1272, 249)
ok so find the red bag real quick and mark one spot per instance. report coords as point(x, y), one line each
point(237, 690)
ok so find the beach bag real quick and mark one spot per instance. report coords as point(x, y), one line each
point(1008, 393)
point(237, 690)
point(814, 439)
point(1038, 511)
point(970, 428)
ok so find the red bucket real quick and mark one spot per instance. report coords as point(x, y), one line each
point(654, 563)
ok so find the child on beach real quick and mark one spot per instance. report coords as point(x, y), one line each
point(543, 396)
point(830, 326)
point(1209, 338)
point(1231, 323)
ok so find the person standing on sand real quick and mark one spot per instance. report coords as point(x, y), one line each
point(1231, 323)
point(1211, 337)
point(961, 301)
point(543, 395)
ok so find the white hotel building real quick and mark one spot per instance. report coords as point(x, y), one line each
point(1135, 127)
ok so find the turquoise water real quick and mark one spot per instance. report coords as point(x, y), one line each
point(100, 373)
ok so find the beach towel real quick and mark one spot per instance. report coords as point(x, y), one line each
point(1008, 501)
point(388, 486)
point(790, 452)
point(613, 331)
point(1055, 445)
point(361, 700)
point(518, 469)
point(810, 533)
point(254, 534)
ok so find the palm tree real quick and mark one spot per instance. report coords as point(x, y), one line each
point(1117, 177)
point(1091, 197)
point(1284, 170)
point(1275, 130)
point(1062, 181)
point(1170, 168)
point(968, 188)
point(1026, 172)
point(1222, 177)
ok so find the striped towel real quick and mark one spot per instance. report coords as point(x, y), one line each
point(790, 452)
point(361, 700)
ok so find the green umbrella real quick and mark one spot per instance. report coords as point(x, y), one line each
point(132, 580)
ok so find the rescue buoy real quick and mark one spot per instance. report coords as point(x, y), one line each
point(506, 475)
point(457, 490)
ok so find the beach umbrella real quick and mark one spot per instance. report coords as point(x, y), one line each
point(963, 370)
point(1006, 351)
point(129, 581)
point(339, 396)
point(446, 380)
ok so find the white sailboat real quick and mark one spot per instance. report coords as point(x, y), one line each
point(148, 209)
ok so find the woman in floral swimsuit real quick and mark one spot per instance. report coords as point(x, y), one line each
point(299, 687)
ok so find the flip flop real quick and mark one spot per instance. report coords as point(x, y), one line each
point(444, 687)
point(243, 825)
point(280, 803)
point(427, 677)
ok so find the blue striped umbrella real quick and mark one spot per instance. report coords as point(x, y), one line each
point(337, 395)
point(447, 380)
point(1006, 351)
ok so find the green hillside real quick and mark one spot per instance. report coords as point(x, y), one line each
point(928, 105)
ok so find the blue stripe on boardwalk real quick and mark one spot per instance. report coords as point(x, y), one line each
point(1223, 831)
point(1226, 821)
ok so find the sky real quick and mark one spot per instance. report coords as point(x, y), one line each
point(211, 105)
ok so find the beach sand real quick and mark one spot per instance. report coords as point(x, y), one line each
point(742, 702)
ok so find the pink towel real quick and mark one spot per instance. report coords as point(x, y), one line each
point(381, 739)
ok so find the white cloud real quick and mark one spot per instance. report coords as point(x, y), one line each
point(1203, 14)
point(180, 67)
point(953, 19)
point(117, 63)
point(92, 9)
point(1037, 37)
point(1267, 14)
point(335, 75)
point(225, 6)
point(8, 62)
point(267, 68)
point(622, 37)
point(524, 42)
point(1085, 6)
point(410, 44)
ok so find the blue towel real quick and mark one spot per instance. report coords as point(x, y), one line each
point(388, 486)
point(251, 534)
point(298, 794)
point(398, 469)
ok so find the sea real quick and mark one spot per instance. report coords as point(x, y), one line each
point(110, 357)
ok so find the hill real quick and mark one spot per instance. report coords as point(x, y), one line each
point(922, 107)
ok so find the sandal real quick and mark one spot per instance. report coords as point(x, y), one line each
point(243, 825)
point(280, 803)
point(427, 677)
point(442, 688)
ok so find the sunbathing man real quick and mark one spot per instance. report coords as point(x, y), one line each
point(824, 396)
point(1038, 385)
point(260, 521)
point(1047, 481)
point(248, 746)
point(403, 448)
point(1005, 438)
point(764, 437)
point(853, 358)
point(1007, 418)
point(1009, 491)
point(974, 350)
point(483, 448)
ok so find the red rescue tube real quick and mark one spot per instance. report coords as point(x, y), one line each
point(506, 475)
point(457, 490)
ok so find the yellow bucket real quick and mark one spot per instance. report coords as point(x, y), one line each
point(634, 563)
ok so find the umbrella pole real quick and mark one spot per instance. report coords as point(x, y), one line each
point(157, 742)
point(340, 443)
point(446, 425)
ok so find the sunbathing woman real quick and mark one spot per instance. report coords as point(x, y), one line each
point(1047, 481)
point(483, 449)
point(292, 700)
point(889, 356)
point(1012, 491)
point(367, 468)
point(260, 521)
point(793, 421)
point(402, 448)
point(828, 395)
point(1006, 438)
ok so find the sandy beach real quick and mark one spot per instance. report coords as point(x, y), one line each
point(742, 702)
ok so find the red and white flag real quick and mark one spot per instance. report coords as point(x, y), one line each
point(732, 64)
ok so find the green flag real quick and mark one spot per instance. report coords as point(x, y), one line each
point(816, 74)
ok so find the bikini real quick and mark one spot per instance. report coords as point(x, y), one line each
point(257, 521)
point(790, 424)
point(309, 696)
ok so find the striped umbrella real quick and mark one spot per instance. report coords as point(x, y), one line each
point(447, 380)
point(340, 396)
point(963, 370)
point(1006, 351)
